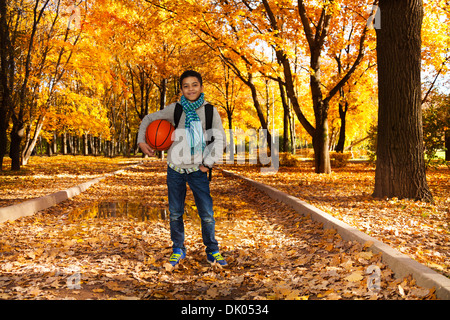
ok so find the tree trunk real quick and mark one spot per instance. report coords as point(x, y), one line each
point(320, 144)
point(259, 111)
point(76, 145)
point(85, 144)
point(31, 143)
point(400, 166)
point(230, 154)
point(343, 107)
point(6, 68)
point(91, 145)
point(49, 148)
point(447, 145)
point(286, 117)
point(54, 143)
point(64, 143)
point(16, 135)
point(162, 97)
point(3, 138)
point(70, 144)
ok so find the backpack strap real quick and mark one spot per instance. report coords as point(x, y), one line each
point(209, 111)
point(177, 114)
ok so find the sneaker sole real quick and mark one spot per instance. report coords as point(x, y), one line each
point(212, 262)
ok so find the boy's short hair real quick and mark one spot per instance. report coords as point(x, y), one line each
point(190, 73)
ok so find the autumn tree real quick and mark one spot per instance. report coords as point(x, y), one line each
point(227, 94)
point(32, 67)
point(353, 110)
point(435, 45)
point(132, 85)
point(146, 49)
point(101, 79)
point(315, 21)
point(17, 82)
point(400, 166)
point(436, 126)
point(358, 90)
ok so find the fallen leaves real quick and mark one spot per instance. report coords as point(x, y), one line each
point(418, 229)
point(46, 175)
point(356, 276)
point(168, 267)
point(273, 253)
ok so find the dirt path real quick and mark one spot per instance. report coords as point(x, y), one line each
point(67, 253)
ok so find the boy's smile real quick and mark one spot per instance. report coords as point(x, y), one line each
point(191, 88)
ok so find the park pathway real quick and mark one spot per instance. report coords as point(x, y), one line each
point(113, 242)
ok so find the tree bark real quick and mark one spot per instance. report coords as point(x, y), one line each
point(54, 143)
point(64, 143)
point(85, 144)
point(447, 145)
point(6, 79)
point(31, 143)
point(162, 90)
point(3, 133)
point(16, 136)
point(259, 112)
point(320, 141)
point(400, 166)
point(286, 117)
point(343, 107)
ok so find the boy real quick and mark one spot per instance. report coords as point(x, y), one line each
point(189, 160)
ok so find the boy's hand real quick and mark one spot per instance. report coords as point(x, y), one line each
point(203, 168)
point(146, 149)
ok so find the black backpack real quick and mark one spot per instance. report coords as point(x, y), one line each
point(209, 118)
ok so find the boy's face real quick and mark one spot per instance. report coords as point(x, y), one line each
point(191, 88)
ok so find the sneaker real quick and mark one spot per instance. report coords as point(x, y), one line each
point(216, 257)
point(176, 256)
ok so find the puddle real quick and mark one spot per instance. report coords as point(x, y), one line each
point(136, 211)
point(131, 210)
point(120, 209)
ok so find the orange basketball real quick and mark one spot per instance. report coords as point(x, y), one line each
point(159, 135)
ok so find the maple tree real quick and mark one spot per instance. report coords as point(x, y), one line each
point(144, 61)
point(435, 37)
point(269, 27)
point(124, 60)
point(316, 41)
point(29, 80)
point(436, 126)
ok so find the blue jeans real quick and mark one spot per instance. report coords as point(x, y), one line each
point(199, 184)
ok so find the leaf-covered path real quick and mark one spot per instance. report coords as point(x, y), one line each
point(418, 229)
point(67, 253)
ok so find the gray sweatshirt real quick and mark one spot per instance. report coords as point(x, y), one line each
point(179, 152)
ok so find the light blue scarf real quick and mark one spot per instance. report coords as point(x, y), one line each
point(193, 125)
